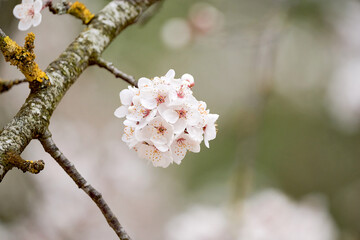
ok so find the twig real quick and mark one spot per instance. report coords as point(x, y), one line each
point(5, 85)
point(51, 148)
point(76, 9)
point(111, 68)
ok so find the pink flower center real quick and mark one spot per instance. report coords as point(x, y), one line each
point(181, 142)
point(181, 93)
point(182, 113)
point(161, 129)
point(31, 12)
point(145, 112)
point(160, 99)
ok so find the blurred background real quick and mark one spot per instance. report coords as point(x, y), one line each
point(282, 74)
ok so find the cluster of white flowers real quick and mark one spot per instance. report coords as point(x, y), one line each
point(164, 120)
point(29, 13)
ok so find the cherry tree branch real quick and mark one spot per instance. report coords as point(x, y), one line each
point(33, 118)
point(51, 148)
point(112, 69)
point(6, 85)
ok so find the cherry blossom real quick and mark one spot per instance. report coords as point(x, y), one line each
point(158, 158)
point(29, 13)
point(181, 144)
point(163, 120)
point(159, 132)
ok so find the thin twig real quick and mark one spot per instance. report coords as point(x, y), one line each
point(51, 148)
point(5, 85)
point(111, 68)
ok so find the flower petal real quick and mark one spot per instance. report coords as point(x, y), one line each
point(162, 147)
point(170, 74)
point(20, 11)
point(149, 103)
point(27, 2)
point(37, 6)
point(179, 126)
point(195, 133)
point(121, 112)
point(210, 132)
point(188, 78)
point(130, 123)
point(158, 159)
point(178, 152)
point(126, 97)
point(36, 19)
point(170, 116)
point(211, 118)
point(24, 24)
point(144, 82)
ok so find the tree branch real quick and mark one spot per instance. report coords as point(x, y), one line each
point(51, 148)
point(6, 85)
point(111, 68)
point(34, 116)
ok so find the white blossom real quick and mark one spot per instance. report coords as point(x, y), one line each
point(164, 120)
point(29, 13)
point(181, 144)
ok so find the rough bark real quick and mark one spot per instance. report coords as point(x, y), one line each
point(33, 118)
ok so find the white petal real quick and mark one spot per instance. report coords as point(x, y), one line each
point(206, 143)
point(27, 2)
point(121, 112)
point(210, 132)
point(129, 123)
point(149, 103)
point(195, 133)
point(188, 77)
point(162, 147)
point(126, 97)
point(193, 117)
point(37, 6)
point(144, 82)
point(140, 136)
point(158, 159)
point(170, 73)
point(151, 116)
point(179, 126)
point(192, 145)
point(20, 11)
point(170, 116)
point(178, 152)
point(36, 20)
point(211, 118)
point(24, 24)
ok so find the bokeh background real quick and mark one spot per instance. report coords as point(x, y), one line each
point(284, 76)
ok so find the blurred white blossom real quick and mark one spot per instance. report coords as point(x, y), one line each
point(267, 215)
point(344, 94)
point(176, 33)
point(199, 223)
point(205, 18)
point(271, 215)
point(343, 91)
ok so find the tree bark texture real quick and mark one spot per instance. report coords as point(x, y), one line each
point(33, 118)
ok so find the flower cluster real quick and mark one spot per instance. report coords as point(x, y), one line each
point(164, 120)
point(29, 13)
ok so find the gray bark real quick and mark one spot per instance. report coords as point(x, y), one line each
point(33, 118)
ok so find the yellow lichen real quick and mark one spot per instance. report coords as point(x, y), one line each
point(77, 9)
point(23, 57)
